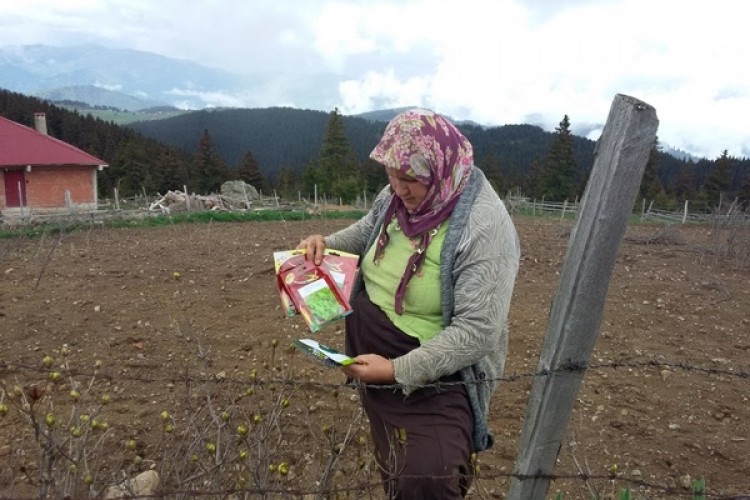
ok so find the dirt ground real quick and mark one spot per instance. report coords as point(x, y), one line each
point(667, 400)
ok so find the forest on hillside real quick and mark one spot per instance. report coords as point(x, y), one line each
point(292, 151)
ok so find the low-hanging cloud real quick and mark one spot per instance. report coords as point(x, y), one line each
point(494, 62)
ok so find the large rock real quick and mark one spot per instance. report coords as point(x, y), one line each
point(236, 190)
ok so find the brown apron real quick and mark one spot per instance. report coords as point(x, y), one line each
point(424, 440)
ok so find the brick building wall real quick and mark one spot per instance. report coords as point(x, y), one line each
point(46, 186)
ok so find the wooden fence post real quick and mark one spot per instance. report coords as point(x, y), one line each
point(620, 158)
point(685, 212)
point(244, 192)
point(20, 199)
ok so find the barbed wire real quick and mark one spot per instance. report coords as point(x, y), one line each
point(477, 478)
point(568, 366)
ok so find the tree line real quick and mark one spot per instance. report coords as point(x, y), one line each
point(296, 151)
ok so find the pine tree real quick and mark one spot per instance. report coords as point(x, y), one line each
point(651, 187)
point(129, 169)
point(683, 185)
point(286, 184)
point(336, 172)
point(209, 170)
point(490, 165)
point(719, 179)
point(374, 176)
point(249, 172)
point(743, 195)
point(558, 176)
point(175, 171)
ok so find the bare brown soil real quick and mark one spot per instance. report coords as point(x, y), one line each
point(210, 346)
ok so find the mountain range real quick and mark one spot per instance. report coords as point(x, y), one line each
point(102, 81)
point(123, 78)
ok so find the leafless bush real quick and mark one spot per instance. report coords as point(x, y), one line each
point(728, 241)
point(667, 235)
point(217, 437)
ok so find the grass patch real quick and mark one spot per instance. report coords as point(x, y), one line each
point(68, 226)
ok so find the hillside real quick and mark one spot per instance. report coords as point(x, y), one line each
point(159, 155)
point(286, 137)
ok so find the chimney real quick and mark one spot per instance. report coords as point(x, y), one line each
point(40, 122)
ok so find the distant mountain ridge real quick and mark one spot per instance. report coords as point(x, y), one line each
point(284, 141)
point(97, 96)
point(42, 69)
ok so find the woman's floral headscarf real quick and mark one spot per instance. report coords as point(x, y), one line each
point(426, 146)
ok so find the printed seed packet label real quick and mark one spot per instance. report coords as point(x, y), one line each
point(322, 353)
point(290, 257)
point(314, 293)
point(343, 268)
point(319, 293)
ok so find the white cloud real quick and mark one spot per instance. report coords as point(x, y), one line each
point(115, 87)
point(491, 61)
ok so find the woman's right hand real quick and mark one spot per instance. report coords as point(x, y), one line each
point(314, 244)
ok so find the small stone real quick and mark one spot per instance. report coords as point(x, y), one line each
point(143, 485)
point(665, 374)
point(686, 481)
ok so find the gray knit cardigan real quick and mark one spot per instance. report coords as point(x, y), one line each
point(478, 266)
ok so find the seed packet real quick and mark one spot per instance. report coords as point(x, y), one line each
point(314, 292)
point(278, 259)
point(340, 266)
point(343, 268)
point(326, 355)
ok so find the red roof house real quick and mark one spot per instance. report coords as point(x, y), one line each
point(41, 173)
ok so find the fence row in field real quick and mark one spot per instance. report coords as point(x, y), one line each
point(225, 469)
point(734, 212)
point(140, 206)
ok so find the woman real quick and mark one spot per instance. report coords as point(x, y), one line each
point(439, 260)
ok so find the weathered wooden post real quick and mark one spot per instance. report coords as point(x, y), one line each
point(244, 192)
point(620, 158)
point(685, 212)
point(20, 199)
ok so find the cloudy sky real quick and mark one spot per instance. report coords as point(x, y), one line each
point(495, 62)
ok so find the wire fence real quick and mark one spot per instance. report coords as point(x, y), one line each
point(734, 212)
point(483, 479)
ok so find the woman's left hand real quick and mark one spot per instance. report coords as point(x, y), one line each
point(371, 369)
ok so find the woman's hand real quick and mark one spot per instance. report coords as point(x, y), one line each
point(314, 244)
point(371, 369)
